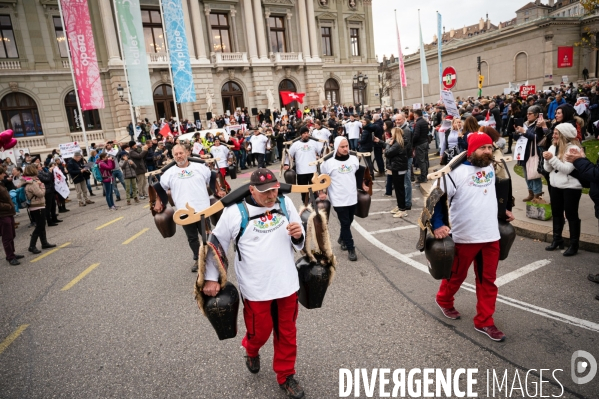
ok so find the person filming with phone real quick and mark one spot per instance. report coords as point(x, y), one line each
point(534, 130)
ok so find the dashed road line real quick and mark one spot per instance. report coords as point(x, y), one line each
point(50, 252)
point(10, 339)
point(109, 223)
point(135, 236)
point(410, 226)
point(79, 277)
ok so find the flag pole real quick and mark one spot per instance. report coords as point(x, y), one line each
point(400, 55)
point(421, 52)
point(170, 69)
point(439, 49)
point(118, 29)
point(81, 117)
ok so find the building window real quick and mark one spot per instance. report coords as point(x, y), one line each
point(60, 38)
point(327, 46)
point(19, 113)
point(7, 36)
point(153, 33)
point(91, 118)
point(220, 32)
point(354, 40)
point(232, 96)
point(287, 85)
point(331, 90)
point(277, 34)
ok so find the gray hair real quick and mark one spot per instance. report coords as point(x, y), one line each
point(377, 117)
point(535, 109)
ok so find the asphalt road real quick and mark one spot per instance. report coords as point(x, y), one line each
point(130, 327)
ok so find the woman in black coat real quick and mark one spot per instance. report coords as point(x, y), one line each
point(46, 176)
point(397, 163)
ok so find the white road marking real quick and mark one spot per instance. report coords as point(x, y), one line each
point(412, 254)
point(377, 189)
point(511, 276)
point(379, 213)
point(382, 199)
point(410, 226)
point(550, 314)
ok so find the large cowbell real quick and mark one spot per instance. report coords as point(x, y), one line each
point(313, 280)
point(440, 254)
point(222, 311)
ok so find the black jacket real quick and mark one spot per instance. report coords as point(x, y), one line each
point(48, 179)
point(379, 130)
point(397, 157)
point(590, 172)
point(408, 137)
point(420, 132)
point(365, 143)
point(75, 170)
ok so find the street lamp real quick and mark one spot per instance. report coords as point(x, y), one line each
point(120, 90)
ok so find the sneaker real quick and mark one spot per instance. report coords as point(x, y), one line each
point(340, 242)
point(394, 210)
point(492, 332)
point(253, 364)
point(136, 200)
point(82, 204)
point(89, 202)
point(118, 198)
point(351, 255)
point(594, 278)
point(142, 197)
point(292, 388)
point(401, 214)
point(92, 194)
point(14, 262)
point(128, 202)
point(194, 268)
point(450, 313)
point(387, 196)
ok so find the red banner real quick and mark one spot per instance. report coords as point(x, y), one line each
point(290, 96)
point(565, 57)
point(78, 30)
point(526, 91)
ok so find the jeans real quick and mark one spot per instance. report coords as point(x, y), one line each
point(378, 158)
point(118, 175)
point(131, 188)
point(108, 192)
point(346, 217)
point(422, 161)
point(389, 185)
point(353, 144)
point(150, 167)
point(243, 154)
point(260, 159)
point(400, 194)
point(408, 184)
point(535, 185)
point(88, 184)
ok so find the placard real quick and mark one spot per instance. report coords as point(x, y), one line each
point(526, 91)
point(60, 183)
point(520, 148)
point(67, 150)
point(449, 102)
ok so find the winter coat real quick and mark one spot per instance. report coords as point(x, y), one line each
point(129, 171)
point(397, 157)
point(106, 167)
point(420, 132)
point(408, 138)
point(138, 157)
point(47, 178)
point(76, 171)
point(559, 171)
point(7, 208)
point(553, 107)
point(532, 131)
point(590, 172)
point(365, 142)
point(35, 192)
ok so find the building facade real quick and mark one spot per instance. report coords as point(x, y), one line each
point(523, 50)
point(239, 49)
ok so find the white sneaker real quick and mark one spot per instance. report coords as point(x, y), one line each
point(401, 214)
point(394, 210)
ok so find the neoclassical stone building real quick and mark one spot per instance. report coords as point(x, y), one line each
point(524, 49)
point(238, 48)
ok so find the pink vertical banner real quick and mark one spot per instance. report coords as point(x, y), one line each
point(402, 69)
point(78, 30)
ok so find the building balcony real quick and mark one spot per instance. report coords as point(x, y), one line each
point(158, 59)
point(66, 64)
point(95, 136)
point(16, 64)
point(229, 60)
point(34, 143)
point(286, 59)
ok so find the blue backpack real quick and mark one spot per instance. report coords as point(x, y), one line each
point(96, 172)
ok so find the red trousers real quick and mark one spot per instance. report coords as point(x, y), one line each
point(278, 315)
point(486, 258)
point(223, 171)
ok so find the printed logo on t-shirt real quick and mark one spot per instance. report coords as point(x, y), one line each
point(268, 222)
point(305, 148)
point(482, 178)
point(185, 174)
point(345, 169)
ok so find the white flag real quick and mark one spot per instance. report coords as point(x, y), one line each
point(423, 67)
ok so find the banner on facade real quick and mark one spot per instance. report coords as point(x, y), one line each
point(402, 69)
point(67, 150)
point(78, 31)
point(565, 57)
point(178, 51)
point(134, 49)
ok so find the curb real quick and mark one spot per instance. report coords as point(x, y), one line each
point(538, 232)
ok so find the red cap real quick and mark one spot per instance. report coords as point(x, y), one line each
point(477, 140)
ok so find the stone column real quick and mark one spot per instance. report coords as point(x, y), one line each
point(234, 27)
point(260, 30)
point(312, 29)
point(198, 31)
point(288, 37)
point(210, 39)
point(592, 63)
point(548, 55)
point(304, 38)
point(250, 31)
point(112, 44)
point(267, 19)
point(192, 50)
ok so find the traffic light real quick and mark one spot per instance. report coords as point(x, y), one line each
point(481, 79)
point(478, 63)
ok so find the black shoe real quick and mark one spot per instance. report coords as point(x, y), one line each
point(194, 268)
point(48, 245)
point(118, 198)
point(253, 364)
point(34, 250)
point(597, 297)
point(592, 277)
point(292, 388)
point(57, 221)
point(19, 256)
point(572, 249)
point(408, 208)
point(351, 255)
point(340, 242)
point(92, 194)
point(14, 262)
point(51, 224)
point(555, 244)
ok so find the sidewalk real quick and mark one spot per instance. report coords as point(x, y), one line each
point(543, 230)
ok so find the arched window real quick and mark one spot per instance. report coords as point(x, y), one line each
point(164, 103)
point(331, 90)
point(521, 67)
point(19, 113)
point(287, 85)
point(91, 118)
point(232, 95)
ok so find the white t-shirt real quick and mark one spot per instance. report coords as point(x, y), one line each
point(197, 147)
point(322, 134)
point(304, 153)
point(221, 152)
point(259, 144)
point(267, 267)
point(473, 211)
point(353, 129)
point(343, 190)
point(188, 185)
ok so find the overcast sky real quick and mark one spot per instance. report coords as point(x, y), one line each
point(455, 15)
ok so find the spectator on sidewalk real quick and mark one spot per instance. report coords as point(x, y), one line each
point(534, 132)
point(79, 173)
point(420, 143)
point(36, 195)
point(7, 223)
point(138, 156)
point(106, 164)
point(46, 176)
point(129, 171)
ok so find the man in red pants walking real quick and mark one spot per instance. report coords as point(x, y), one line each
point(266, 272)
point(475, 231)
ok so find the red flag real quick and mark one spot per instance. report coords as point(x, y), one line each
point(290, 96)
point(165, 131)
